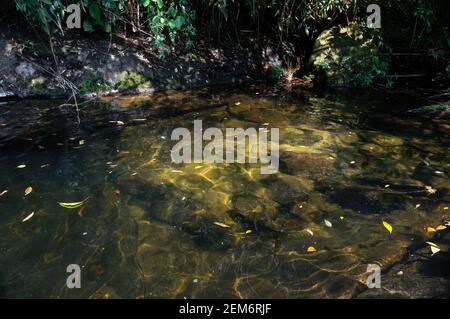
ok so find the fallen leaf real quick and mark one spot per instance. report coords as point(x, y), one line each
point(342, 217)
point(3, 193)
point(387, 226)
point(117, 191)
point(311, 249)
point(417, 206)
point(309, 231)
point(21, 166)
point(28, 217)
point(237, 103)
point(387, 186)
point(81, 142)
point(352, 162)
point(430, 190)
point(431, 230)
point(328, 223)
point(221, 225)
point(434, 250)
point(72, 205)
point(28, 190)
point(441, 227)
point(248, 232)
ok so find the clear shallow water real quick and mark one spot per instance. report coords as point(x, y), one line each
point(149, 228)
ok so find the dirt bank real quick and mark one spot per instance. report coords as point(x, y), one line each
point(31, 65)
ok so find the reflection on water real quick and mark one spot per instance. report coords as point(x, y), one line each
point(154, 229)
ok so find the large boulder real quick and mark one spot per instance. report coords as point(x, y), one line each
point(347, 56)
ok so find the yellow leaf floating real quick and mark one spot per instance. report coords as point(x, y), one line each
point(441, 227)
point(434, 248)
point(311, 249)
point(431, 230)
point(28, 217)
point(430, 190)
point(388, 227)
point(28, 190)
point(221, 225)
point(237, 103)
point(72, 205)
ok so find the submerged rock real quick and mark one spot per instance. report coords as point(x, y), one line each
point(315, 166)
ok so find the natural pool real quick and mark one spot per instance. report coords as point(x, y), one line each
point(153, 229)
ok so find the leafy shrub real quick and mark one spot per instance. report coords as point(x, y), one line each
point(165, 21)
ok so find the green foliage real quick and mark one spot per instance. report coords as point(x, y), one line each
point(349, 56)
point(165, 21)
point(168, 22)
point(422, 24)
point(274, 72)
point(47, 13)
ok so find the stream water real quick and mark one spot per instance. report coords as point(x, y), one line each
point(150, 228)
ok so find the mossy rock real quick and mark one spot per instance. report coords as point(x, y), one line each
point(92, 83)
point(132, 80)
point(347, 56)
